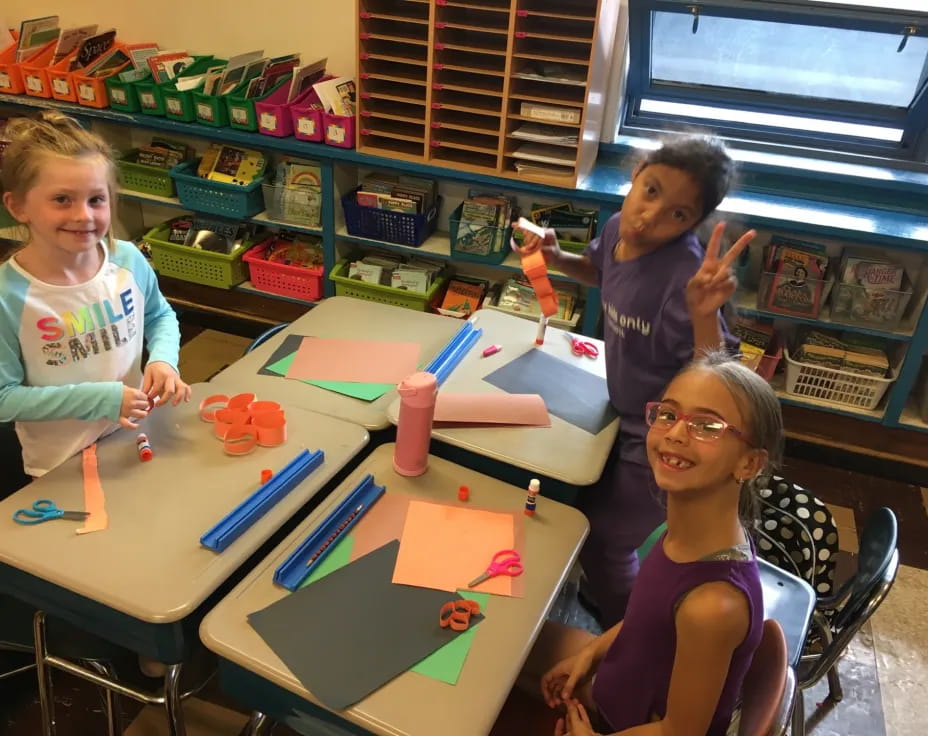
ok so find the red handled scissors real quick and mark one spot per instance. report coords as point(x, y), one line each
point(582, 347)
point(505, 562)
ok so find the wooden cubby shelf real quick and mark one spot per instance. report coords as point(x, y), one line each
point(486, 73)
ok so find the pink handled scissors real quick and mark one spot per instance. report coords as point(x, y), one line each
point(582, 347)
point(505, 562)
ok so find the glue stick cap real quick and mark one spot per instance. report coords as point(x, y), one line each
point(534, 485)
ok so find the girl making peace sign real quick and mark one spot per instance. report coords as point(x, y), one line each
point(661, 295)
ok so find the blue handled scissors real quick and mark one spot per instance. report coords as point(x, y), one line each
point(45, 510)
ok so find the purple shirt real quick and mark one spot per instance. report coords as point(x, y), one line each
point(633, 679)
point(646, 325)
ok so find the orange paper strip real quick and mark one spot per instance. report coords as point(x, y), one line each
point(445, 547)
point(492, 408)
point(94, 501)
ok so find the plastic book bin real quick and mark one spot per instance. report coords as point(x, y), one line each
point(35, 80)
point(242, 111)
point(339, 129)
point(61, 80)
point(492, 251)
point(276, 118)
point(143, 178)
point(393, 227)
point(92, 91)
point(123, 96)
point(192, 264)
point(216, 197)
point(38, 79)
point(210, 110)
point(11, 73)
point(152, 94)
point(345, 286)
point(306, 119)
point(279, 278)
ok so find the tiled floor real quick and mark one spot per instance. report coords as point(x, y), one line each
point(884, 673)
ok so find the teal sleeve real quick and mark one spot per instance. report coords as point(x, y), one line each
point(162, 333)
point(87, 401)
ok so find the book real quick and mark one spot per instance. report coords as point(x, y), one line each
point(166, 65)
point(337, 95)
point(463, 296)
point(304, 77)
point(141, 53)
point(234, 72)
point(93, 47)
point(234, 165)
point(34, 34)
point(110, 62)
point(549, 112)
point(70, 40)
point(798, 272)
point(295, 173)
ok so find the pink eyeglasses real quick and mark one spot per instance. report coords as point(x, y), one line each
point(706, 427)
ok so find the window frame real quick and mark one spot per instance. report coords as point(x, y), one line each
point(912, 120)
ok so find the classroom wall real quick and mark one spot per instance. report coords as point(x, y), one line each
point(315, 28)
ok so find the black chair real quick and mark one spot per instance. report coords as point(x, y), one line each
point(266, 335)
point(838, 618)
point(11, 460)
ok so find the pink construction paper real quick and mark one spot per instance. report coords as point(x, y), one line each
point(445, 547)
point(357, 361)
point(492, 408)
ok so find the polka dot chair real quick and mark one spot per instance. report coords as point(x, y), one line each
point(797, 533)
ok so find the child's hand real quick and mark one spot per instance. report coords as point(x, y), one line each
point(549, 246)
point(558, 683)
point(163, 381)
point(575, 723)
point(134, 407)
point(714, 283)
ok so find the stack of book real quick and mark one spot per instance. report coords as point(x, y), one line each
point(231, 164)
point(397, 193)
point(296, 194)
point(210, 233)
point(845, 352)
point(517, 295)
point(575, 227)
point(756, 339)
point(463, 296)
point(483, 224)
point(388, 269)
point(794, 277)
point(870, 289)
point(34, 34)
point(162, 153)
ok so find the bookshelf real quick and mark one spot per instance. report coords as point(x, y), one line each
point(462, 84)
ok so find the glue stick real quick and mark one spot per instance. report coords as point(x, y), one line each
point(542, 326)
point(534, 488)
point(144, 447)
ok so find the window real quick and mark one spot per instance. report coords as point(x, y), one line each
point(812, 73)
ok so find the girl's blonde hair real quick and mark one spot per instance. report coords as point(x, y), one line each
point(51, 133)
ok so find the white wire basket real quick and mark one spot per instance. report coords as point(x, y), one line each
point(834, 386)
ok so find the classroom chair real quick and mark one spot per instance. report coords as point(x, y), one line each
point(769, 688)
point(839, 617)
point(266, 335)
point(11, 460)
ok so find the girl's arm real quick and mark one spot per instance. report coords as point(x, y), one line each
point(711, 623)
point(578, 267)
point(162, 334)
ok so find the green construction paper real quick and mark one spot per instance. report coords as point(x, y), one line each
point(363, 391)
point(445, 664)
point(338, 556)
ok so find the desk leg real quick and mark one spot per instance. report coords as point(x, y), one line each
point(44, 672)
point(113, 712)
point(172, 702)
point(258, 725)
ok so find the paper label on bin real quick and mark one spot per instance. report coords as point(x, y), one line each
point(268, 121)
point(4, 79)
point(85, 91)
point(173, 105)
point(119, 96)
point(240, 115)
point(335, 133)
point(306, 126)
point(204, 111)
point(34, 83)
point(147, 99)
point(61, 86)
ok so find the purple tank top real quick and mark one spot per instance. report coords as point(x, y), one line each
point(633, 679)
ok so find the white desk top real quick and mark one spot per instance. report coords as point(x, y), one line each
point(342, 317)
point(412, 704)
point(149, 563)
point(563, 451)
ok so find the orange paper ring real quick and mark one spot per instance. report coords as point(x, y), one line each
point(257, 407)
point(241, 401)
point(271, 427)
point(240, 440)
point(210, 405)
point(226, 418)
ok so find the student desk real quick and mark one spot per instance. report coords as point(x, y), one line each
point(142, 582)
point(342, 317)
point(563, 452)
point(411, 704)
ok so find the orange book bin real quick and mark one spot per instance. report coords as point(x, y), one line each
point(11, 73)
point(37, 76)
point(91, 91)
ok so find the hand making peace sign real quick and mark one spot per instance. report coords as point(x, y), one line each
point(714, 283)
